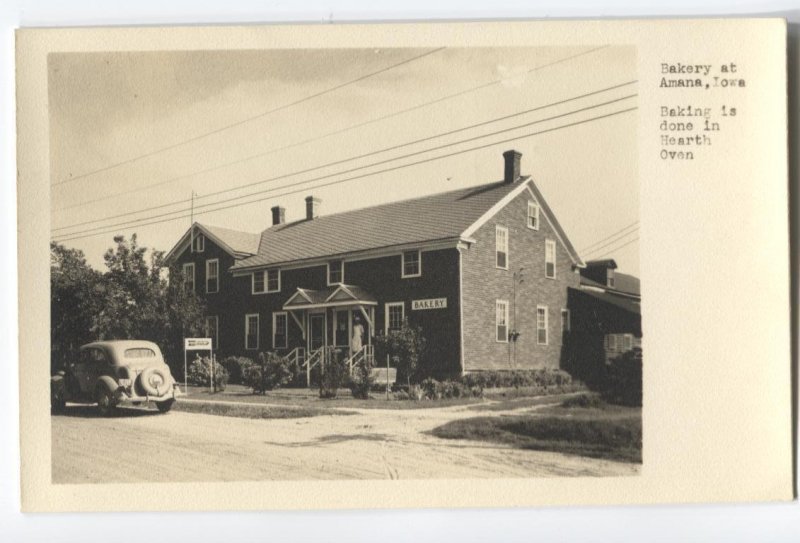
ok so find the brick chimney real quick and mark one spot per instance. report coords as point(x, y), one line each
point(512, 163)
point(312, 207)
point(278, 215)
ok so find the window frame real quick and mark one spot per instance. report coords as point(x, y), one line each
point(386, 312)
point(285, 316)
point(216, 276)
point(247, 331)
point(612, 338)
point(532, 204)
point(253, 282)
point(328, 269)
point(199, 243)
point(610, 278)
point(627, 342)
point(497, 230)
point(544, 328)
point(497, 324)
point(187, 265)
point(215, 338)
point(567, 321)
point(266, 280)
point(547, 244)
point(403, 273)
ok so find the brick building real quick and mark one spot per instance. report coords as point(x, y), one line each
point(484, 271)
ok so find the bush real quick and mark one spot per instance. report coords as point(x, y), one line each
point(584, 401)
point(199, 374)
point(405, 347)
point(362, 380)
point(236, 366)
point(333, 375)
point(625, 380)
point(543, 378)
point(272, 371)
point(431, 389)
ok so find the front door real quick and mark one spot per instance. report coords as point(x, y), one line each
point(316, 331)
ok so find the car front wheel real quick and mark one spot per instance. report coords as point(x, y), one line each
point(165, 406)
point(105, 402)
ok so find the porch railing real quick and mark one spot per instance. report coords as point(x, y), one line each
point(366, 353)
point(297, 357)
point(321, 357)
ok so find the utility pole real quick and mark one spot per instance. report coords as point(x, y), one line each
point(191, 226)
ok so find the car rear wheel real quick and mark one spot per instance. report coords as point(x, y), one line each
point(165, 406)
point(105, 402)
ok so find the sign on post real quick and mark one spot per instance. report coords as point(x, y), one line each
point(197, 344)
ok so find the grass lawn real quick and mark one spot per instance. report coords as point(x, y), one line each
point(303, 397)
point(255, 411)
point(610, 432)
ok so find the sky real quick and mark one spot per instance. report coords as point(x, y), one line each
point(134, 134)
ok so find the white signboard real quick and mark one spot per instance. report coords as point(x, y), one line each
point(432, 303)
point(197, 344)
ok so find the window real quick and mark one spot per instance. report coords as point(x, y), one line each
point(251, 332)
point(627, 342)
point(565, 324)
point(212, 275)
point(550, 259)
point(395, 313)
point(273, 280)
point(280, 323)
point(501, 321)
point(611, 342)
point(266, 281)
point(211, 330)
point(188, 276)
point(501, 247)
point(335, 272)
point(412, 264)
point(533, 215)
point(199, 243)
point(541, 324)
point(140, 352)
point(610, 277)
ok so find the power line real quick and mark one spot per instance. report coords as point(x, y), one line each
point(620, 238)
point(323, 136)
point(621, 246)
point(588, 247)
point(247, 120)
point(342, 172)
point(80, 235)
point(386, 149)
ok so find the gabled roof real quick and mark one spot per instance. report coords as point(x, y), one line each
point(334, 295)
point(631, 305)
point(441, 217)
point(236, 243)
point(604, 263)
point(623, 283)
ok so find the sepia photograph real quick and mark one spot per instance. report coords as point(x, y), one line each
point(366, 263)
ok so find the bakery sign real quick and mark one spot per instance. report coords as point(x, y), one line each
point(432, 303)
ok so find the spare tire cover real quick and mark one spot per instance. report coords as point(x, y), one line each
point(155, 381)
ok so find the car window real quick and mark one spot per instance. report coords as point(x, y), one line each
point(140, 352)
point(98, 356)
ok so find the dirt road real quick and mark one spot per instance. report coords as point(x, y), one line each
point(373, 444)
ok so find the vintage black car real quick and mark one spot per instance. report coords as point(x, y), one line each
point(110, 373)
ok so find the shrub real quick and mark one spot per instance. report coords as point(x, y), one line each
point(432, 389)
point(401, 395)
point(625, 380)
point(584, 401)
point(362, 380)
point(199, 374)
point(333, 375)
point(543, 378)
point(236, 366)
point(415, 392)
point(272, 371)
point(405, 347)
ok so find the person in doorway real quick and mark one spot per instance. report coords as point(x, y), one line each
point(358, 333)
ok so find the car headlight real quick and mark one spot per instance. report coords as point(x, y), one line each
point(124, 382)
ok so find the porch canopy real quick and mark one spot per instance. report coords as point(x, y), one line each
point(339, 296)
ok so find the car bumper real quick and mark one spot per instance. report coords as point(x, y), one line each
point(129, 396)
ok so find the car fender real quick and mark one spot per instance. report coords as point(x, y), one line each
point(107, 382)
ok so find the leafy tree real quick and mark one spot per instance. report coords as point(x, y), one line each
point(406, 347)
point(76, 293)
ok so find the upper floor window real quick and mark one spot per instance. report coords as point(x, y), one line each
point(541, 324)
point(267, 281)
point(395, 313)
point(335, 272)
point(501, 247)
point(533, 215)
point(610, 277)
point(212, 275)
point(412, 264)
point(188, 276)
point(501, 320)
point(199, 243)
point(565, 324)
point(550, 259)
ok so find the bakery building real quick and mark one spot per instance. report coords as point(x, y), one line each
point(483, 271)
